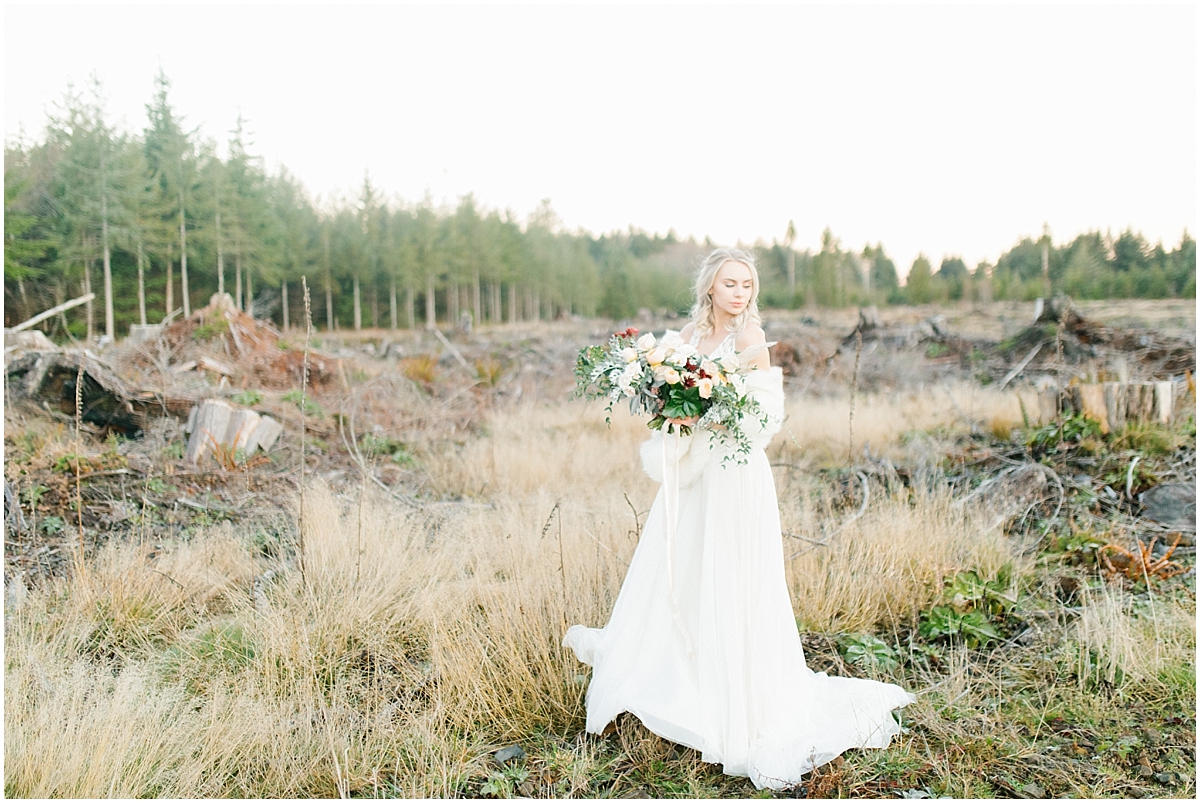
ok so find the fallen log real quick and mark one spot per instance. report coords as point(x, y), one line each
point(41, 316)
point(48, 379)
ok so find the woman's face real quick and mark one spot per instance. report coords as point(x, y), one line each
point(732, 288)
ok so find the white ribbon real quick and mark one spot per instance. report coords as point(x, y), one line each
point(670, 487)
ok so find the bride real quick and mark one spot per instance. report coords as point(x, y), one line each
point(702, 645)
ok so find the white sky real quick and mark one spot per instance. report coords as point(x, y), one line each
point(943, 129)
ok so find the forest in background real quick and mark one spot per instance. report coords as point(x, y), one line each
point(156, 221)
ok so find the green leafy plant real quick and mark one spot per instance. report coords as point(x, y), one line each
point(247, 398)
point(51, 525)
point(385, 446)
point(1073, 428)
point(1080, 547)
point(969, 604)
point(158, 487)
point(293, 396)
point(32, 494)
point(865, 650)
point(973, 627)
point(214, 327)
point(505, 782)
point(935, 350)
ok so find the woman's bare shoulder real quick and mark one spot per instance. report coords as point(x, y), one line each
point(751, 335)
point(686, 331)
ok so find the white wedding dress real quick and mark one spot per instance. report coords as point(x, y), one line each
point(722, 670)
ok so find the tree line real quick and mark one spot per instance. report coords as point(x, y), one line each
point(154, 222)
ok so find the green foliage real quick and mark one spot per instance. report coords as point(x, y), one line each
point(918, 285)
point(386, 446)
point(208, 655)
point(865, 650)
point(1072, 428)
point(247, 398)
point(935, 350)
point(1079, 547)
point(505, 782)
point(970, 606)
point(294, 396)
point(972, 627)
point(210, 329)
point(51, 525)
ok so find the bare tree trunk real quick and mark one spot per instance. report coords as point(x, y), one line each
point(110, 327)
point(183, 277)
point(87, 288)
point(791, 273)
point(170, 278)
point(285, 306)
point(220, 259)
point(141, 283)
point(452, 304)
point(430, 303)
point(24, 299)
point(392, 302)
point(536, 305)
point(410, 307)
point(237, 278)
point(478, 302)
point(250, 293)
point(328, 284)
point(357, 305)
point(328, 302)
point(497, 304)
point(512, 304)
point(374, 303)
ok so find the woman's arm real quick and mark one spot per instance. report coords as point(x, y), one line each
point(750, 337)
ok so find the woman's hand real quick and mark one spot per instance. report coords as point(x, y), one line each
point(684, 422)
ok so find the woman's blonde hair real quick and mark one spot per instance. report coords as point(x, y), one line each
point(702, 311)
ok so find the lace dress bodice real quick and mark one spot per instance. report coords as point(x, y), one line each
point(726, 346)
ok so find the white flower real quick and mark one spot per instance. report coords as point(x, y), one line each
point(646, 342)
point(629, 354)
point(672, 376)
point(709, 367)
point(686, 350)
point(739, 383)
point(671, 339)
point(706, 388)
point(729, 363)
point(629, 377)
point(656, 356)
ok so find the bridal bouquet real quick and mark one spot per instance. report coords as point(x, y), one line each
point(669, 379)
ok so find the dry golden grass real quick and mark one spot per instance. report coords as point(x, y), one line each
point(887, 423)
point(887, 566)
point(420, 638)
point(1122, 643)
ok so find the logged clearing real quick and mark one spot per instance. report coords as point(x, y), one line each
point(388, 620)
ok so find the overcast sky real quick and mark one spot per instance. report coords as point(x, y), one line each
point(952, 130)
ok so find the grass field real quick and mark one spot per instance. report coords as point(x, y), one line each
point(421, 631)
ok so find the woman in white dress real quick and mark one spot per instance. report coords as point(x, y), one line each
point(702, 644)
